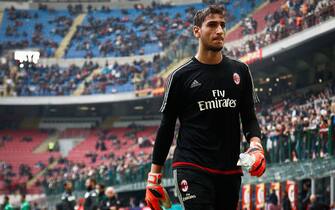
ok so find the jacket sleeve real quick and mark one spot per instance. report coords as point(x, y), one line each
point(247, 109)
point(166, 129)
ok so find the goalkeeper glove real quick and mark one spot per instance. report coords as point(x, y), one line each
point(156, 196)
point(253, 159)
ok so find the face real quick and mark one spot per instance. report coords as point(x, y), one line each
point(110, 194)
point(68, 186)
point(211, 34)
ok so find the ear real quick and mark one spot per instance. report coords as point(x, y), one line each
point(196, 31)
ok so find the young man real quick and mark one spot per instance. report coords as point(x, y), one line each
point(208, 94)
point(68, 199)
point(91, 195)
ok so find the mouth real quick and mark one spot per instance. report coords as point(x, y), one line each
point(218, 39)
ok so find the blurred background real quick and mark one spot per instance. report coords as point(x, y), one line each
point(81, 84)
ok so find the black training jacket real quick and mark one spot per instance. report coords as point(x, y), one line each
point(210, 102)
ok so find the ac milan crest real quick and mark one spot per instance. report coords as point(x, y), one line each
point(236, 78)
point(184, 185)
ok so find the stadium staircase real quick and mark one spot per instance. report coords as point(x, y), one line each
point(31, 182)
point(17, 152)
point(81, 87)
point(258, 14)
point(44, 146)
point(67, 39)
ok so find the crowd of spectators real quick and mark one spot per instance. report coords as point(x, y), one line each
point(130, 32)
point(15, 181)
point(106, 32)
point(112, 169)
point(29, 79)
point(142, 30)
point(293, 131)
point(127, 34)
point(14, 177)
point(293, 16)
point(139, 73)
point(49, 27)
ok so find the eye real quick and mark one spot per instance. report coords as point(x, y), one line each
point(223, 25)
point(211, 24)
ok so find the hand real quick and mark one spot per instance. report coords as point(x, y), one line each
point(253, 159)
point(156, 195)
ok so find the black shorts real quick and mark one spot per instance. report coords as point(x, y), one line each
point(200, 190)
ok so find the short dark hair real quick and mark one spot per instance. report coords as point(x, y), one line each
point(200, 16)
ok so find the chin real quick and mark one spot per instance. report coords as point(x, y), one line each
point(215, 49)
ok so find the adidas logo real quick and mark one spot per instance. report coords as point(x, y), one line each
point(195, 83)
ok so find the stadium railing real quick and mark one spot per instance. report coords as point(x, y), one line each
point(304, 144)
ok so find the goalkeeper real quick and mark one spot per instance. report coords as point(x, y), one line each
point(209, 95)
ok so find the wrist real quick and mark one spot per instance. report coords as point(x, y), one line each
point(155, 178)
point(155, 168)
point(255, 142)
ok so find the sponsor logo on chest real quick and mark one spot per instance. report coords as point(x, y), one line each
point(219, 101)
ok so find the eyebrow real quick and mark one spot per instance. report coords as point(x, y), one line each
point(214, 21)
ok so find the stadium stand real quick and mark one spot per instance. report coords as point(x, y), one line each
point(28, 79)
point(49, 28)
point(130, 30)
point(289, 19)
point(255, 22)
point(16, 170)
point(143, 28)
point(117, 141)
point(140, 31)
point(124, 78)
point(310, 120)
point(117, 151)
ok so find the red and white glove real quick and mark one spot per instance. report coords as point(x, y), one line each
point(253, 159)
point(156, 196)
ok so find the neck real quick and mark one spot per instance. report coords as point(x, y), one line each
point(208, 56)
